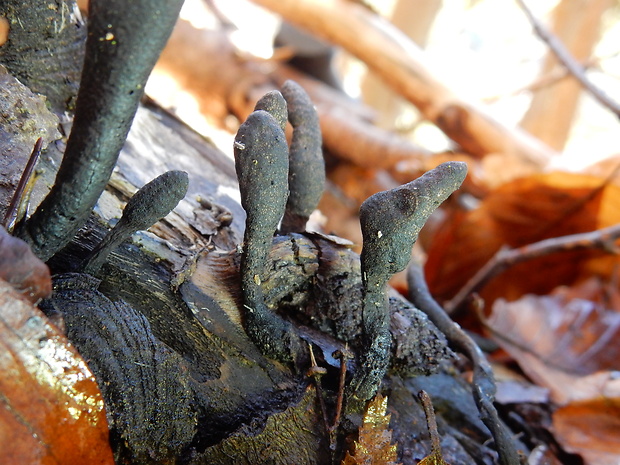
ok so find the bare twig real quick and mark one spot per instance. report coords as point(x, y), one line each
point(431, 422)
point(315, 372)
point(12, 212)
point(505, 258)
point(564, 56)
point(343, 356)
point(483, 384)
point(551, 78)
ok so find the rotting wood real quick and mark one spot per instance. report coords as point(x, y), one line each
point(197, 316)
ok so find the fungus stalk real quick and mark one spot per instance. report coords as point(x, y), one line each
point(306, 176)
point(391, 221)
point(147, 206)
point(261, 162)
point(124, 41)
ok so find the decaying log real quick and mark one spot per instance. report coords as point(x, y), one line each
point(178, 304)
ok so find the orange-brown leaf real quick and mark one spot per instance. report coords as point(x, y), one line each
point(519, 213)
point(51, 410)
point(591, 429)
point(22, 269)
point(374, 445)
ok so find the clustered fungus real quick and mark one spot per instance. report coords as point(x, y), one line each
point(282, 184)
point(306, 175)
point(261, 161)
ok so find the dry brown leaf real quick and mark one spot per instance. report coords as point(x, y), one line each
point(559, 342)
point(22, 269)
point(374, 445)
point(4, 30)
point(51, 410)
point(591, 429)
point(520, 213)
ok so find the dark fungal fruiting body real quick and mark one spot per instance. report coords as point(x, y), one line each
point(391, 222)
point(124, 41)
point(306, 176)
point(273, 103)
point(150, 204)
point(261, 162)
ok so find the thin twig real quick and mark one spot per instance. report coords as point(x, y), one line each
point(343, 356)
point(505, 258)
point(483, 384)
point(551, 78)
point(316, 372)
point(11, 214)
point(431, 422)
point(564, 57)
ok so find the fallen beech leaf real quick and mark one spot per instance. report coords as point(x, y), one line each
point(519, 213)
point(591, 429)
point(51, 410)
point(558, 342)
point(4, 30)
point(374, 445)
point(22, 269)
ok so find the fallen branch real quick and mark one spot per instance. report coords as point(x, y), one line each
point(483, 384)
point(401, 64)
point(564, 56)
point(506, 257)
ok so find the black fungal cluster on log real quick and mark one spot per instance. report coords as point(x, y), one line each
point(169, 357)
point(278, 184)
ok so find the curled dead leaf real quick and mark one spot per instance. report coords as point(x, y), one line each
point(567, 345)
point(51, 410)
point(22, 269)
point(518, 213)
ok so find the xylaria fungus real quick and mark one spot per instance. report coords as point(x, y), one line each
point(147, 206)
point(124, 41)
point(391, 221)
point(306, 176)
point(274, 104)
point(261, 162)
